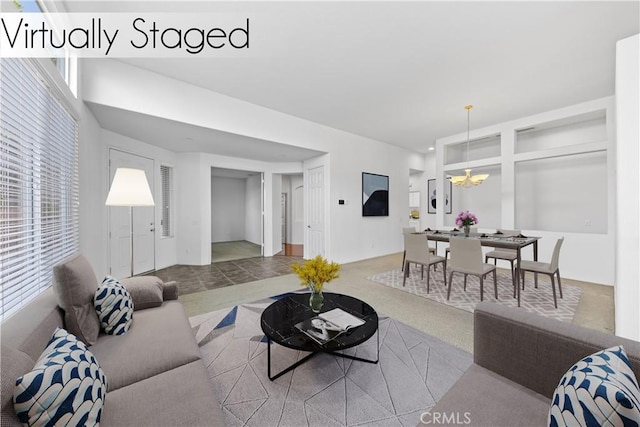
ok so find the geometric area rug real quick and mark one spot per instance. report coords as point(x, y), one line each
point(538, 301)
point(414, 371)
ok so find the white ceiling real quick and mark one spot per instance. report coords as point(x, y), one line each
point(398, 72)
point(182, 137)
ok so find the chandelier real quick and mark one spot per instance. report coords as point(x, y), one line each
point(467, 180)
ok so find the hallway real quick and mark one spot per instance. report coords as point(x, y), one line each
point(198, 278)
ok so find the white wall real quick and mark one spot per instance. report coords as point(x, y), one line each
point(354, 237)
point(563, 194)
point(627, 292)
point(228, 203)
point(484, 200)
point(94, 175)
point(587, 251)
point(253, 211)
point(94, 145)
point(121, 85)
point(193, 193)
point(276, 225)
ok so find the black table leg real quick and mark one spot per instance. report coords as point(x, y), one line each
point(310, 355)
point(535, 258)
point(284, 371)
point(518, 278)
point(360, 359)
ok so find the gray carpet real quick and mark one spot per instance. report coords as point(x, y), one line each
point(538, 301)
point(414, 372)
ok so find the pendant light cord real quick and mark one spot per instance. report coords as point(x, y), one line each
point(468, 108)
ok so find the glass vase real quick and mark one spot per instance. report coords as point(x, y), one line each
point(467, 228)
point(316, 299)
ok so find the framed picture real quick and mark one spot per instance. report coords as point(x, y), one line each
point(447, 196)
point(432, 197)
point(375, 194)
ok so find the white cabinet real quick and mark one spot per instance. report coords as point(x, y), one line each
point(414, 199)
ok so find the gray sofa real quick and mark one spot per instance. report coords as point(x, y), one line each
point(519, 358)
point(155, 373)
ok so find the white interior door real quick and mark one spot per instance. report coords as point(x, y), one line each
point(315, 212)
point(120, 220)
point(297, 213)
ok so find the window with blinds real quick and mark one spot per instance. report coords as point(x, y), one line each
point(39, 222)
point(166, 176)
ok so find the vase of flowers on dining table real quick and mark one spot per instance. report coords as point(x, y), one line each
point(466, 219)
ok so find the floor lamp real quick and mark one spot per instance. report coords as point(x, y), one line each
point(130, 188)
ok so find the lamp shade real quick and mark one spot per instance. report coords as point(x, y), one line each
point(129, 188)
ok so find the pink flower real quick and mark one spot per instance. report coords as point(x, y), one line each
point(466, 218)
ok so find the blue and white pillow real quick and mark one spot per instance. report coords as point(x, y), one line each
point(114, 306)
point(599, 390)
point(65, 387)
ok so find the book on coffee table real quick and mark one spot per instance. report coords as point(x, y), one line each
point(342, 319)
point(327, 326)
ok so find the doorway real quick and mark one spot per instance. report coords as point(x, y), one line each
point(121, 219)
point(292, 215)
point(236, 214)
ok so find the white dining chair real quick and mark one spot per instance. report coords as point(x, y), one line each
point(504, 254)
point(552, 269)
point(471, 230)
point(466, 258)
point(418, 252)
point(406, 230)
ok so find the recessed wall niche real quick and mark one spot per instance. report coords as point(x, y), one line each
point(484, 201)
point(562, 194)
point(482, 148)
point(580, 129)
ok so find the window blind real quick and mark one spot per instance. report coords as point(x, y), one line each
point(166, 176)
point(39, 219)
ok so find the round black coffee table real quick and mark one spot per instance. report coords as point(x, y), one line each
point(279, 319)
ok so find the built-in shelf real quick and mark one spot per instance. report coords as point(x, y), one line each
point(576, 130)
point(547, 172)
point(478, 149)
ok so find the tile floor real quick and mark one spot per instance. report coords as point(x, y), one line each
point(196, 278)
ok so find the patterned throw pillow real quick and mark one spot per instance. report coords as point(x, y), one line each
point(114, 306)
point(599, 390)
point(65, 387)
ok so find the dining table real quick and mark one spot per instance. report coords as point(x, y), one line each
point(494, 240)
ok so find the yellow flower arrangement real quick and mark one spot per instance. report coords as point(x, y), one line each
point(315, 272)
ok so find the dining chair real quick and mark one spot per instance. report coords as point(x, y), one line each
point(406, 230)
point(466, 258)
point(550, 269)
point(504, 254)
point(418, 252)
point(471, 230)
